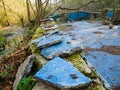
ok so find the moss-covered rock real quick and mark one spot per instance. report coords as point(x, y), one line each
point(81, 65)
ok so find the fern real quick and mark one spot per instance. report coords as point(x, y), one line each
point(26, 83)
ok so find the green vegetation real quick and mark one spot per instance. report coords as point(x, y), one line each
point(10, 68)
point(95, 87)
point(29, 12)
point(2, 39)
point(78, 62)
point(38, 33)
point(3, 74)
point(81, 65)
point(26, 83)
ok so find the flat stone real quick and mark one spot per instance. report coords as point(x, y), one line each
point(62, 48)
point(50, 28)
point(23, 70)
point(57, 73)
point(47, 40)
point(107, 65)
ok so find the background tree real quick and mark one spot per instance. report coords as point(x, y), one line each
point(5, 12)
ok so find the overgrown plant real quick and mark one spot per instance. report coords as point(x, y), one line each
point(26, 83)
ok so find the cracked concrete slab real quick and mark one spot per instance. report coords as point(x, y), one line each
point(47, 40)
point(61, 76)
point(107, 65)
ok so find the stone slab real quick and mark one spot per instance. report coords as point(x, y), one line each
point(107, 65)
point(47, 40)
point(23, 70)
point(57, 73)
point(50, 28)
point(60, 49)
point(66, 46)
point(85, 34)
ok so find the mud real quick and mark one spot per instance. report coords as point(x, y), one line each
point(67, 27)
point(116, 88)
point(115, 50)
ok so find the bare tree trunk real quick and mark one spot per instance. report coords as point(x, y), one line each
point(38, 10)
point(5, 12)
point(28, 10)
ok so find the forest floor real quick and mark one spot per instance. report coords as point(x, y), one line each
point(9, 63)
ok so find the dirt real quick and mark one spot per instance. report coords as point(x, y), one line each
point(111, 49)
point(116, 88)
point(115, 50)
point(87, 49)
point(66, 27)
point(10, 66)
point(98, 32)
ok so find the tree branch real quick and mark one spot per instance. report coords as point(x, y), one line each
point(80, 6)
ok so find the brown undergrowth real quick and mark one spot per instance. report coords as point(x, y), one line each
point(9, 65)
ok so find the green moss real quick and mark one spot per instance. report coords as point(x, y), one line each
point(38, 63)
point(78, 62)
point(81, 65)
point(33, 48)
point(38, 33)
point(95, 87)
point(94, 75)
